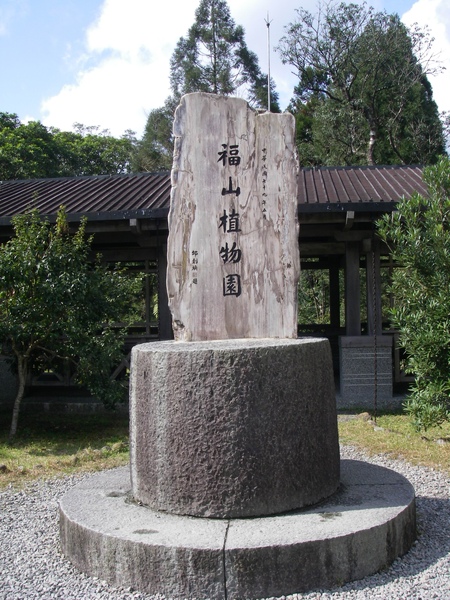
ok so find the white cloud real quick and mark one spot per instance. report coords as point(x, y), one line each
point(10, 10)
point(111, 95)
point(436, 15)
point(124, 72)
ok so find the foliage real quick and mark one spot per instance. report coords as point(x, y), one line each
point(304, 113)
point(26, 151)
point(212, 58)
point(56, 305)
point(418, 235)
point(445, 118)
point(364, 74)
point(314, 297)
point(155, 150)
point(88, 152)
point(32, 150)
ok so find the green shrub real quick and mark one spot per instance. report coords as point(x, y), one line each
point(418, 235)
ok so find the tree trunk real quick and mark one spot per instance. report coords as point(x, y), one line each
point(22, 365)
point(371, 146)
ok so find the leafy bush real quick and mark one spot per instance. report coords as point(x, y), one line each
point(418, 235)
point(56, 305)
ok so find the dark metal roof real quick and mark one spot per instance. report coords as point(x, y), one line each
point(357, 188)
point(147, 195)
point(121, 196)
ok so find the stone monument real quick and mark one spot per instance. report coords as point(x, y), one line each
point(236, 417)
point(233, 259)
point(219, 423)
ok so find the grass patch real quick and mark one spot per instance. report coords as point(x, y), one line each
point(394, 435)
point(49, 445)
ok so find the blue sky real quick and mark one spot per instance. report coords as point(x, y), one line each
point(106, 62)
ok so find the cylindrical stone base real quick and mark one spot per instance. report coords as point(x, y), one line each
point(234, 428)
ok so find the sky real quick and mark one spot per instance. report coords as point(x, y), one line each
point(105, 63)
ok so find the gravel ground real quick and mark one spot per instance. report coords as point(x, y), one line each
point(31, 565)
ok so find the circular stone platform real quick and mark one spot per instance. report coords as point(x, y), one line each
point(359, 530)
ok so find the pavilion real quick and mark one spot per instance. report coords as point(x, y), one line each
point(337, 211)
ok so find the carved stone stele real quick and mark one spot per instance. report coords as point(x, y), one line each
point(233, 259)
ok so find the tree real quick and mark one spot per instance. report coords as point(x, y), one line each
point(418, 235)
point(91, 152)
point(155, 150)
point(367, 74)
point(55, 305)
point(32, 150)
point(26, 151)
point(212, 58)
point(313, 296)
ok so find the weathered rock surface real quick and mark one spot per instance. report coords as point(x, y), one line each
point(358, 531)
point(233, 428)
point(233, 259)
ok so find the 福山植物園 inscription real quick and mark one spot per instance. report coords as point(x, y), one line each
point(233, 261)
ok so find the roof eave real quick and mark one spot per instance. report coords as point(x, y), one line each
point(120, 215)
point(342, 207)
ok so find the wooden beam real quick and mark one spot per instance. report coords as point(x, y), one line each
point(352, 236)
point(320, 248)
point(349, 219)
point(126, 254)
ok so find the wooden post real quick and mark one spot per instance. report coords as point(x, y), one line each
point(352, 290)
point(335, 300)
point(374, 323)
point(164, 316)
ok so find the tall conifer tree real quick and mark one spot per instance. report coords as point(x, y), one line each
point(214, 58)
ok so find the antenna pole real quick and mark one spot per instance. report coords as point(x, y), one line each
point(268, 61)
